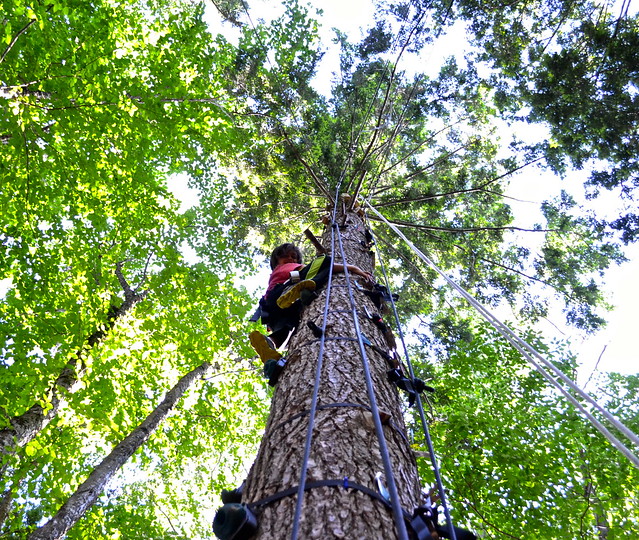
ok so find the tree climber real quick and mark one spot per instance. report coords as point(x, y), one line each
point(291, 286)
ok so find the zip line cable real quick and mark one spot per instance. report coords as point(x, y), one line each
point(420, 407)
point(313, 410)
point(528, 352)
point(379, 429)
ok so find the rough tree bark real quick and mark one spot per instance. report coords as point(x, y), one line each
point(86, 495)
point(26, 426)
point(344, 439)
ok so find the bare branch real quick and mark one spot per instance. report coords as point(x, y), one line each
point(417, 226)
point(382, 109)
point(478, 189)
point(594, 369)
point(320, 185)
point(419, 146)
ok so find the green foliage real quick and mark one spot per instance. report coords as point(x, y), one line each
point(570, 66)
point(101, 102)
point(519, 461)
point(427, 152)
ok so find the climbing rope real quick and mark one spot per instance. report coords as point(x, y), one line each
point(538, 361)
point(313, 409)
point(379, 430)
point(420, 407)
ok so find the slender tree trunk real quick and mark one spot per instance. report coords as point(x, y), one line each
point(86, 495)
point(344, 444)
point(26, 426)
point(5, 504)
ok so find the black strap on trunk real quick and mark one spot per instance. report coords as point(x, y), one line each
point(337, 483)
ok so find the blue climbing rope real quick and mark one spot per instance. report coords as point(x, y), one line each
point(379, 430)
point(420, 407)
point(313, 409)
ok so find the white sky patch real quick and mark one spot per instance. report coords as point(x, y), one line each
point(178, 185)
point(5, 285)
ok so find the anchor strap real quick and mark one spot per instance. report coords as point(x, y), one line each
point(344, 483)
point(421, 522)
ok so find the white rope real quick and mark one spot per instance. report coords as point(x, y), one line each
point(528, 352)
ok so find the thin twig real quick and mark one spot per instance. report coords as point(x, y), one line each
point(594, 370)
point(13, 41)
point(408, 224)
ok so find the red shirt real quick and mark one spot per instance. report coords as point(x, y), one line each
point(282, 273)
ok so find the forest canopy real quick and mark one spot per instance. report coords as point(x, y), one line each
point(112, 291)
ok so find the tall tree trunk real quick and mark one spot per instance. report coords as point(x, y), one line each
point(344, 444)
point(26, 426)
point(86, 495)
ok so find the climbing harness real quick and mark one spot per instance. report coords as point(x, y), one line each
point(383, 327)
point(379, 295)
point(412, 386)
point(237, 521)
point(317, 331)
point(420, 523)
point(392, 362)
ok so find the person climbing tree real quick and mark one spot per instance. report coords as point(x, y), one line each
point(335, 460)
point(291, 286)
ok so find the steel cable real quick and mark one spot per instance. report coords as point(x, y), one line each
point(528, 352)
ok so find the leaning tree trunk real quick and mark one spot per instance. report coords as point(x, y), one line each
point(344, 444)
point(86, 495)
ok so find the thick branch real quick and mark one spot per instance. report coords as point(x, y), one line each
point(86, 495)
point(227, 15)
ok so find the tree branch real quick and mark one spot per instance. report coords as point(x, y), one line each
point(417, 226)
point(382, 109)
point(477, 189)
point(15, 38)
point(25, 427)
point(320, 185)
point(87, 493)
point(419, 146)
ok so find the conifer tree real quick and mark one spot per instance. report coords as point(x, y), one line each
point(344, 447)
